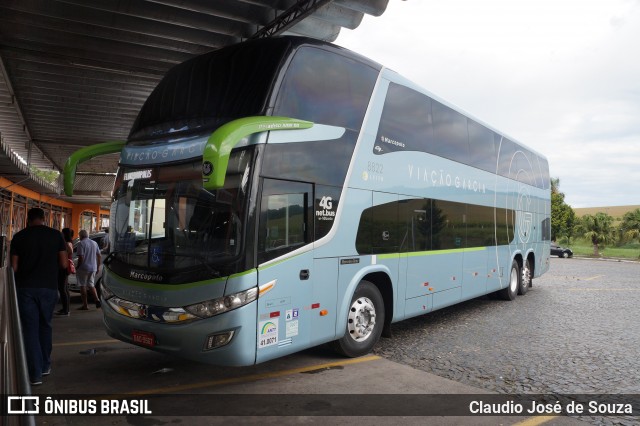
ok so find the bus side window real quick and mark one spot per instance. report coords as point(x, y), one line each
point(285, 218)
point(285, 221)
point(448, 225)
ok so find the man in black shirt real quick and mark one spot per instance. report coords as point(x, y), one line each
point(37, 254)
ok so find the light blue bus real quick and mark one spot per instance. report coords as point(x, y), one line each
point(284, 193)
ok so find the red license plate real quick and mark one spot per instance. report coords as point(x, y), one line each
point(143, 338)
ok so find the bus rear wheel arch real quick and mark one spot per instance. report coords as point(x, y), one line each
point(365, 321)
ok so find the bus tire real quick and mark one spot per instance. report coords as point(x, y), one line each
point(525, 279)
point(365, 321)
point(510, 292)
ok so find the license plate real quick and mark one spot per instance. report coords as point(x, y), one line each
point(143, 338)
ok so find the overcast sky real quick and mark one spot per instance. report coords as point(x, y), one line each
point(561, 76)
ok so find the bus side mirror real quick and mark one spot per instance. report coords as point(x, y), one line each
point(215, 157)
point(84, 154)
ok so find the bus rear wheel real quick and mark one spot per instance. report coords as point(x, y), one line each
point(525, 279)
point(365, 321)
point(510, 292)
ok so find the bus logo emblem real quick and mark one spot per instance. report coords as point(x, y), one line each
point(142, 312)
point(207, 168)
point(525, 218)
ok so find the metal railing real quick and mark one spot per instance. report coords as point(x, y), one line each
point(14, 378)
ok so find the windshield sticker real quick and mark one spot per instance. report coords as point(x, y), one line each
point(268, 333)
point(156, 256)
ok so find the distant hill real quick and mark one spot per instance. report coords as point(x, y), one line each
point(616, 211)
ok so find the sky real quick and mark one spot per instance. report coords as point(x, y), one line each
point(560, 76)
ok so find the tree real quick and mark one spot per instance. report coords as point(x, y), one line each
point(50, 176)
point(598, 229)
point(563, 218)
point(630, 225)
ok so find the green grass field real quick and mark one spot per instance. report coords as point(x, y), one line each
point(584, 248)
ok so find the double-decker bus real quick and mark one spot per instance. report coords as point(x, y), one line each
point(283, 193)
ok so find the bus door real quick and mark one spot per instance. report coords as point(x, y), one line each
point(286, 272)
point(415, 243)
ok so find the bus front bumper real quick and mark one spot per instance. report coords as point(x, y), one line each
point(192, 340)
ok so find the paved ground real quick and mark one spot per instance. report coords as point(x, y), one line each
point(315, 386)
point(576, 332)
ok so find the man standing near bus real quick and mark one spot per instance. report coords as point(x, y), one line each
point(89, 260)
point(37, 254)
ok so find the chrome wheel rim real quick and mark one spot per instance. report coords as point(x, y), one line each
point(526, 276)
point(513, 280)
point(361, 320)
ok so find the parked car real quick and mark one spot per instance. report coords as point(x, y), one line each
point(100, 238)
point(556, 250)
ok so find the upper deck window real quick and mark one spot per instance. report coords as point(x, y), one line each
point(413, 121)
point(406, 123)
point(210, 90)
point(451, 139)
point(326, 88)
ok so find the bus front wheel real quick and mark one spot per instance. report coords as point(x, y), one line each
point(510, 292)
point(365, 321)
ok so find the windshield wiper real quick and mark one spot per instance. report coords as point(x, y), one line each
point(113, 254)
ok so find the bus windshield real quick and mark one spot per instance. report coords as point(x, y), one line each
point(166, 228)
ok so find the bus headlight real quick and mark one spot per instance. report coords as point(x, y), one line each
point(210, 308)
point(145, 312)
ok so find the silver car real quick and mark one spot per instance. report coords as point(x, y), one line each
point(100, 238)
